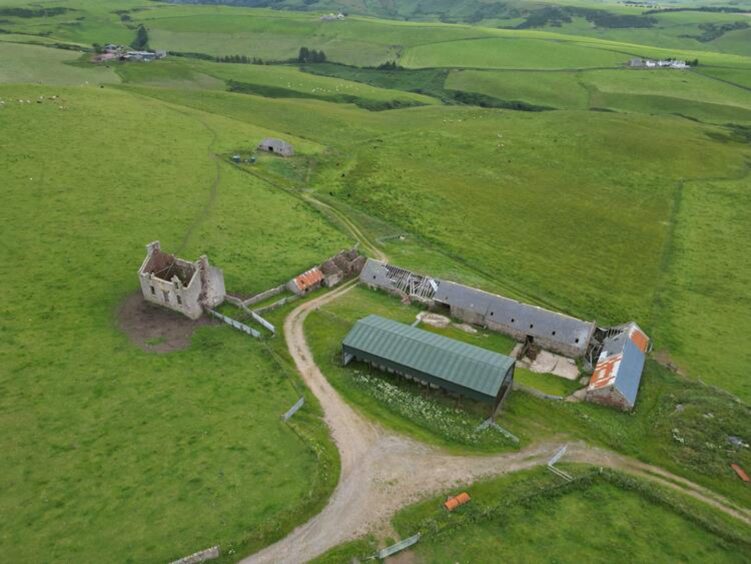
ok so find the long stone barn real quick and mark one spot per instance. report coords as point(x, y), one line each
point(433, 360)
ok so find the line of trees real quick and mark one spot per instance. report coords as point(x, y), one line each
point(141, 42)
point(311, 56)
point(242, 59)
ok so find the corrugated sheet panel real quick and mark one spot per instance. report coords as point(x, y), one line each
point(629, 372)
point(462, 364)
point(308, 279)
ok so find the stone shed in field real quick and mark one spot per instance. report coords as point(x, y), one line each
point(276, 146)
point(345, 265)
point(180, 285)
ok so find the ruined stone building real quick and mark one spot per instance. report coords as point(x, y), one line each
point(346, 264)
point(276, 146)
point(180, 285)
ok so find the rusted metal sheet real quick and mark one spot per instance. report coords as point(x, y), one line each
point(741, 474)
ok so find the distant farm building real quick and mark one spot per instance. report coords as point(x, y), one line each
point(276, 146)
point(638, 63)
point(332, 17)
point(180, 285)
point(306, 282)
point(430, 359)
point(616, 377)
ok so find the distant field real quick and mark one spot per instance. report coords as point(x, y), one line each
point(510, 53)
point(273, 81)
point(554, 89)
point(35, 64)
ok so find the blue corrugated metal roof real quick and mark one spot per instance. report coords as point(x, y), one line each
point(465, 365)
point(629, 372)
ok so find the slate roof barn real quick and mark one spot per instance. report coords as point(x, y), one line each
point(432, 359)
point(276, 146)
point(551, 330)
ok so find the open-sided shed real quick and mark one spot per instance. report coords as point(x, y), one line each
point(432, 359)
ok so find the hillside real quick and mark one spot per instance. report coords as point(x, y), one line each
point(507, 146)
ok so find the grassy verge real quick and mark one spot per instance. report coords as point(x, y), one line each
point(527, 515)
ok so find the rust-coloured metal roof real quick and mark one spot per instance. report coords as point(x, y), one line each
point(310, 278)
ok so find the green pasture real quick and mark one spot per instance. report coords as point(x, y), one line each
point(703, 302)
point(511, 52)
point(553, 89)
point(274, 81)
point(696, 94)
point(533, 515)
point(112, 453)
point(34, 64)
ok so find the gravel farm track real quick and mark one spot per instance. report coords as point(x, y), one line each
point(382, 471)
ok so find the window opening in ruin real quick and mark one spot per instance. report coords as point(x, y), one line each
point(531, 325)
point(553, 332)
point(179, 300)
point(153, 291)
point(512, 320)
point(166, 295)
point(576, 340)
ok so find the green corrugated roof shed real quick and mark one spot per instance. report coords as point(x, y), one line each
point(460, 364)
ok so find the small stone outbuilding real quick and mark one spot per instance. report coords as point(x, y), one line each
point(306, 282)
point(276, 146)
point(180, 285)
point(343, 266)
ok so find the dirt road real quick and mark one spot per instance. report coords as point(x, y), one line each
point(382, 471)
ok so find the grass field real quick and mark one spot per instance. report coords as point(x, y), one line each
point(529, 517)
point(690, 94)
point(112, 453)
point(637, 211)
point(34, 64)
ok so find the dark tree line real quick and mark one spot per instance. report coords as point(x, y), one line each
point(141, 42)
point(311, 56)
point(242, 59)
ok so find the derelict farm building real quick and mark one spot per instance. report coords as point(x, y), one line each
point(276, 146)
point(550, 330)
point(616, 355)
point(430, 359)
point(180, 285)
